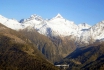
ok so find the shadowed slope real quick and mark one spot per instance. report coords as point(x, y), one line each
point(54, 48)
point(18, 53)
point(86, 58)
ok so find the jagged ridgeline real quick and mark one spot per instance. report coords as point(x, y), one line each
point(18, 53)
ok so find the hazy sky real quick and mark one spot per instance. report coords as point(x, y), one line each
point(79, 11)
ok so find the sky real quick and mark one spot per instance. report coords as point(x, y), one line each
point(79, 11)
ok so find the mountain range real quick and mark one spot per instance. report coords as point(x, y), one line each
point(58, 39)
point(57, 26)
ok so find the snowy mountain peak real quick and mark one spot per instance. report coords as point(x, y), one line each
point(57, 26)
point(11, 23)
point(58, 16)
point(84, 26)
point(102, 22)
point(32, 18)
point(2, 17)
point(36, 17)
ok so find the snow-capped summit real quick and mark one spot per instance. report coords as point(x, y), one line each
point(36, 17)
point(31, 18)
point(83, 26)
point(58, 19)
point(11, 23)
point(58, 26)
point(32, 21)
point(2, 19)
point(97, 30)
point(58, 16)
point(1, 16)
point(93, 33)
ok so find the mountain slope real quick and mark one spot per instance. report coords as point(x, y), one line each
point(53, 48)
point(86, 58)
point(18, 53)
point(10, 23)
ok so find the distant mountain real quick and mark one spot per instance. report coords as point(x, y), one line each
point(83, 26)
point(58, 26)
point(92, 34)
point(11, 23)
point(18, 53)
